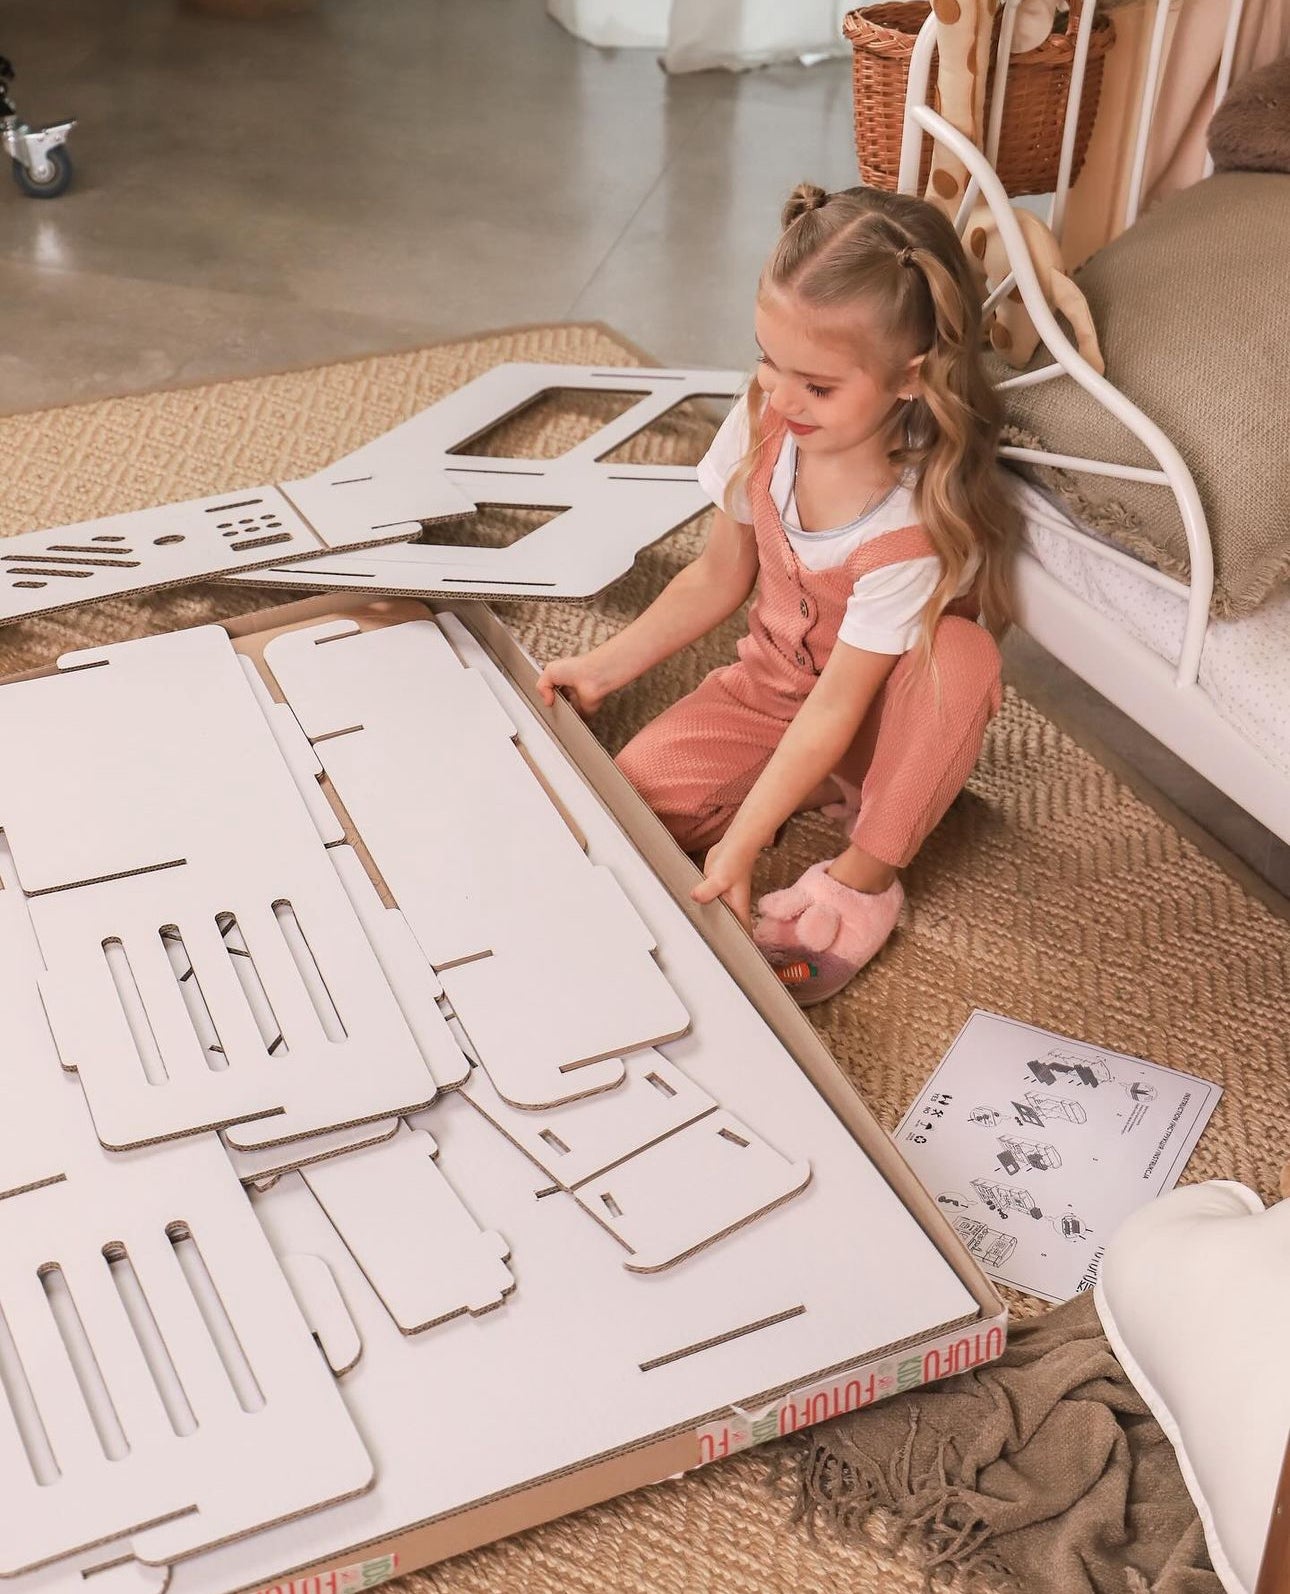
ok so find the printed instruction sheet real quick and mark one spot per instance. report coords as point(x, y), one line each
point(1037, 1147)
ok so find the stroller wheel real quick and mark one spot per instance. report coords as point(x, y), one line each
point(56, 183)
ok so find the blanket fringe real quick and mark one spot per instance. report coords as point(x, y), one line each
point(926, 1510)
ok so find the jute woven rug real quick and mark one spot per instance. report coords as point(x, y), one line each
point(1050, 893)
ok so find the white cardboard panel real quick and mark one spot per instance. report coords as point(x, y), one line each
point(261, 1166)
point(81, 1381)
point(228, 532)
point(212, 1462)
point(692, 1188)
point(323, 1307)
point(35, 1093)
point(546, 964)
point(611, 512)
point(169, 738)
point(575, 1142)
point(418, 1246)
point(297, 754)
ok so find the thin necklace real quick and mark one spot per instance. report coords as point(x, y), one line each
point(874, 502)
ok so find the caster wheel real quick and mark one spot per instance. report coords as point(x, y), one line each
point(56, 183)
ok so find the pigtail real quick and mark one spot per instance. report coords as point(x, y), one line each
point(953, 435)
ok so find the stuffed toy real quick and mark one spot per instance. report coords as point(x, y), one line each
point(1011, 331)
point(964, 30)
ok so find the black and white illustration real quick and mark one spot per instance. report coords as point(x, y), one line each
point(1036, 1146)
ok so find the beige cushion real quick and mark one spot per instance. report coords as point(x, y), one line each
point(1193, 314)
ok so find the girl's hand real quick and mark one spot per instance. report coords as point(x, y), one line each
point(583, 678)
point(727, 873)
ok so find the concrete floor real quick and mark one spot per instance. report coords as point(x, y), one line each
point(252, 196)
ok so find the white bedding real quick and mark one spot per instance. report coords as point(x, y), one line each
point(1245, 667)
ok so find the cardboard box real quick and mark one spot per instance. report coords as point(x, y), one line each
point(486, 1425)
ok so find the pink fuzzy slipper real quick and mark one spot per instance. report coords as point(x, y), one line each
point(818, 934)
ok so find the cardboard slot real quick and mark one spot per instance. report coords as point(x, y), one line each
point(671, 1356)
point(136, 1015)
point(156, 1357)
point(248, 978)
point(206, 1297)
point(194, 1000)
point(84, 1364)
point(16, 1389)
point(333, 1026)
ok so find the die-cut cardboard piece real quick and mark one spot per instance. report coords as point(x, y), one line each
point(41, 571)
point(611, 512)
point(298, 756)
point(157, 1367)
point(108, 1569)
point(343, 1051)
point(409, 1231)
point(547, 965)
point(323, 1307)
point(263, 1166)
point(36, 1095)
point(575, 1142)
point(682, 1193)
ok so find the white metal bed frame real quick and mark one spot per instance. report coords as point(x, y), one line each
point(1167, 702)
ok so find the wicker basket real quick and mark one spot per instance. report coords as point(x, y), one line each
point(882, 39)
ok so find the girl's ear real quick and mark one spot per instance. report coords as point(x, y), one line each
point(911, 380)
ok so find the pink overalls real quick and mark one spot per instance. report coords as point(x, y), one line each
point(699, 759)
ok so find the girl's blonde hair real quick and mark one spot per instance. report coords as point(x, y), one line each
point(901, 260)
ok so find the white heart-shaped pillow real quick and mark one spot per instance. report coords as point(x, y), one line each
point(1194, 1296)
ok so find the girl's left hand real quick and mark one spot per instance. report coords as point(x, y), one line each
point(727, 873)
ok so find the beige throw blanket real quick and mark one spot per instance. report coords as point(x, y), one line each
point(1043, 1472)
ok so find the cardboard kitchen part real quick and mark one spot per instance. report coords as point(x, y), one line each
point(580, 1139)
point(692, 1188)
point(589, 1378)
point(152, 1363)
point(548, 967)
point(242, 529)
point(160, 1365)
point(407, 1229)
point(171, 859)
point(607, 513)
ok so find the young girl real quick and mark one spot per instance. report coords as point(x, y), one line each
point(857, 490)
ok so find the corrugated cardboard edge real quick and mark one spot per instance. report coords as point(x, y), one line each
point(890, 1370)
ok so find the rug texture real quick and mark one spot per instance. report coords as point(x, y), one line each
point(1049, 893)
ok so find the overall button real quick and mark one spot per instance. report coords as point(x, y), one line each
point(801, 660)
point(805, 607)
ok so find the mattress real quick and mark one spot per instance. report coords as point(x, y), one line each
point(1245, 665)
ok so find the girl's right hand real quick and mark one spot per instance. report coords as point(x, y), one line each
point(582, 677)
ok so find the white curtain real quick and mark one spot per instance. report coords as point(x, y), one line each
point(738, 34)
point(694, 35)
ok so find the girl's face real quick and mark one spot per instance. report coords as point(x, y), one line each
point(811, 377)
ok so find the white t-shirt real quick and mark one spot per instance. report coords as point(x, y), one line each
point(884, 613)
